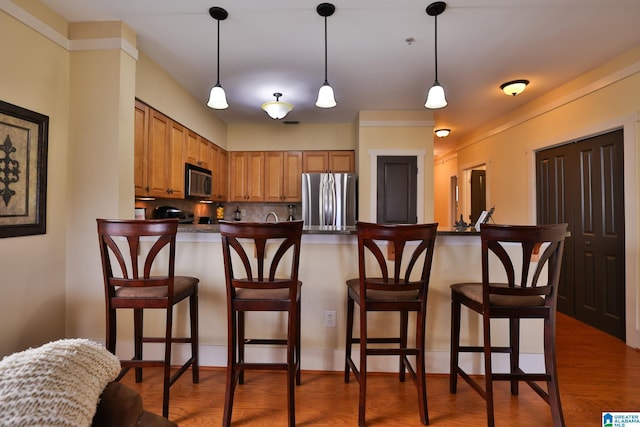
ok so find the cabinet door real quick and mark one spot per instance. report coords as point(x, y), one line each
point(255, 176)
point(157, 159)
point(175, 161)
point(140, 144)
point(342, 161)
point(273, 171)
point(204, 153)
point(237, 176)
point(191, 148)
point(220, 175)
point(315, 161)
point(292, 177)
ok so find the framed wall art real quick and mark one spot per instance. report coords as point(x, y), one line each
point(23, 171)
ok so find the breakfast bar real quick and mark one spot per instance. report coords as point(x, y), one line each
point(328, 259)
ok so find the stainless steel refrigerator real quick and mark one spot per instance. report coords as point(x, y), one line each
point(329, 199)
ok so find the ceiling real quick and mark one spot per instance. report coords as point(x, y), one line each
point(380, 53)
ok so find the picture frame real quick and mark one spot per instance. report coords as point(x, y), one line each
point(24, 138)
point(484, 218)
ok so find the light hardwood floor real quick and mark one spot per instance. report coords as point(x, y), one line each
point(596, 373)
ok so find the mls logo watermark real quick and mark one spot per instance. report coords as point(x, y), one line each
point(621, 419)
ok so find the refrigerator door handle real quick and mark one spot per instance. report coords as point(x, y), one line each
point(333, 201)
point(327, 200)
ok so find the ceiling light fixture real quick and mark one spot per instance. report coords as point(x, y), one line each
point(217, 97)
point(435, 97)
point(277, 109)
point(442, 133)
point(326, 98)
point(514, 87)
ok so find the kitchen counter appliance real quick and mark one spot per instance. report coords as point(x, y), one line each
point(184, 217)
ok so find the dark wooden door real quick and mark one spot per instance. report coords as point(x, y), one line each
point(397, 189)
point(582, 184)
point(478, 194)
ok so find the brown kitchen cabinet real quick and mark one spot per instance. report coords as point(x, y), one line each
point(337, 161)
point(159, 154)
point(199, 151)
point(140, 148)
point(283, 176)
point(219, 171)
point(246, 176)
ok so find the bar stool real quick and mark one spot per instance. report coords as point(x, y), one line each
point(138, 279)
point(261, 268)
point(525, 295)
point(399, 288)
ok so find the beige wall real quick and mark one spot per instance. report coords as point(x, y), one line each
point(155, 87)
point(605, 98)
point(394, 133)
point(35, 75)
point(334, 136)
point(443, 170)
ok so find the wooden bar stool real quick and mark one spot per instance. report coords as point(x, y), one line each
point(527, 295)
point(398, 288)
point(261, 267)
point(138, 279)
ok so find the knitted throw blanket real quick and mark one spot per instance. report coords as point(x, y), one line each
point(57, 384)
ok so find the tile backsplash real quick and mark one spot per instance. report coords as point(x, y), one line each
point(249, 211)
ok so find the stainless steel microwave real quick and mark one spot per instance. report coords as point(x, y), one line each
point(197, 181)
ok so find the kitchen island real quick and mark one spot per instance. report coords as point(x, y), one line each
point(328, 259)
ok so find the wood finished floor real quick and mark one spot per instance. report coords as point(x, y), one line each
point(596, 373)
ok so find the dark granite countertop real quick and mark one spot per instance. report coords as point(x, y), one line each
point(317, 229)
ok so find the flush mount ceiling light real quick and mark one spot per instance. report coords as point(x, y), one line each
point(435, 97)
point(514, 87)
point(217, 97)
point(442, 133)
point(326, 98)
point(277, 109)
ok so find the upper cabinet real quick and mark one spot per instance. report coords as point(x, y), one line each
point(140, 142)
point(283, 176)
point(220, 172)
point(246, 176)
point(328, 161)
point(161, 148)
point(159, 154)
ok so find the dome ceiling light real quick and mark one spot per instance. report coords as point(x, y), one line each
point(514, 87)
point(277, 109)
point(442, 133)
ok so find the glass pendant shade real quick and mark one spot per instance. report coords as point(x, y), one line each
point(435, 97)
point(217, 98)
point(277, 109)
point(326, 98)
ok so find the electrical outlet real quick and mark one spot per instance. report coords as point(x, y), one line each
point(243, 212)
point(329, 318)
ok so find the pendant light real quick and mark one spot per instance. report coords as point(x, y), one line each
point(326, 98)
point(277, 109)
point(435, 97)
point(217, 97)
